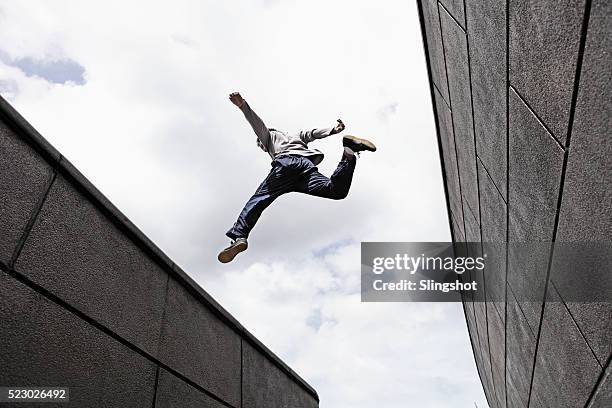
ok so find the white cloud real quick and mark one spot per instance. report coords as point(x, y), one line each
point(152, 128)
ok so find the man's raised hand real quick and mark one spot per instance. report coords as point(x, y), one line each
point(237, 99)
point(339, 126)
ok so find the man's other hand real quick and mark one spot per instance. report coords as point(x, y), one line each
point(237, 99)
point(339, 126)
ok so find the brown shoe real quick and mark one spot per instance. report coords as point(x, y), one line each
point(229, 253)
point(357, 144)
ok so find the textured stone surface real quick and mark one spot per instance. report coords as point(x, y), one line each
point(497, 344)
point(485, 360)
point(483, 370)
point(585, 208)
point(434, 45)
point(536, 161)
point(461, 102)
point(486, 22)
point(472, 229)
point(520, 350)
point(566, 370)
point(450, 159)
point(78, 255)
point(72, 173)
point(23, 180)
point(493, 219)
point(173, 392)
point(495, 274)
point(493, 209)
point(265, 385)
point(474, 339)
point(455, 8)
point(522, 146)
point(527, 270)
point(471, 322)
point(603, 395)
point(458, 230)
point(473, 249)
point(9, 116)
point(198, 345)
point(581, 273)
point(544, 40)
point(99, 371)
point(595, 321)
point(535, 175)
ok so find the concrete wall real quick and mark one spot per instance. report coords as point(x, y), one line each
point(522, 96)
point(88, 302)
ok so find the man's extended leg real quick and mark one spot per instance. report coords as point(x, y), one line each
point(266, 193)
point(263, 197)
point(286, 171)
point(335, 187)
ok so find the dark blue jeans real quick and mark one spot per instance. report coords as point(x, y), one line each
point(293, 173)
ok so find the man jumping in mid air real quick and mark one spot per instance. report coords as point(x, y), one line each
point(293, 169)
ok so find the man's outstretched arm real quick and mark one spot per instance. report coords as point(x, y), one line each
point(309, 135)
point(259, 127)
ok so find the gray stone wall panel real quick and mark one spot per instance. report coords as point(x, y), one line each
point(486, 24)
point(495, 275)
point(536, 162)
point(585, 208)
point(44, 345)
point(493, 209)
point(450, 158)
point(198, 345)
point(544, 41)
point(434, 45)
point(595, 321)
point(76, 253)
point(493, 219)
point(456, 9)
point(461, 102)
point(172, 392)
point(472, 229)
point(582, 277)
point(23, 180)
point(471, 322)
point(557, 189)
point(520, 351)
point(264, 385)
point(497, 344)
point(458, 230)
point(602, 398)
point(566, 370)
point(485, 359)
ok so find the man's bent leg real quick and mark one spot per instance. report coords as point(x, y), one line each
point(337, 186)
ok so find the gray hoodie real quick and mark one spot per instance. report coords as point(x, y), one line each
point(281, 143)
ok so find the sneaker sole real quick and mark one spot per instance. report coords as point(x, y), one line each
point(228, 254)
point(364, 142)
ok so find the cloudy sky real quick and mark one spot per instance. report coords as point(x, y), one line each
point(134, 93)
